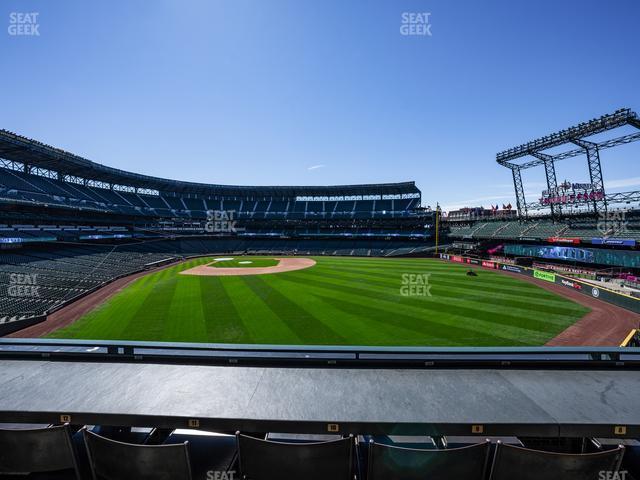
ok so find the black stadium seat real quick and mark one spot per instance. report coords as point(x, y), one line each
point(399, 463)
point(267, 460)
point(113, 460)
point(536, 465)
point(46, 452)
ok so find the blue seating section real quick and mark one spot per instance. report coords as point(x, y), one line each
point(22, 188)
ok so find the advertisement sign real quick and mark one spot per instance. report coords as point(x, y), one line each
point(570, 284)
point(573, 198)
point(11, 240)
point(473, 261)
point(566, 253)
point(563, 240)
point(455, 258)
point(546, 276)
point(624, 242)
point(568, 192)
point(511, 268)
point(488, 264)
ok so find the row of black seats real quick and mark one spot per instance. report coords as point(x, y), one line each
point(50, 453)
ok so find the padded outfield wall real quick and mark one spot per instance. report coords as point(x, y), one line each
point(625, 301)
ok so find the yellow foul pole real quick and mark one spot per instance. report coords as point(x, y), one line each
point(437, 222)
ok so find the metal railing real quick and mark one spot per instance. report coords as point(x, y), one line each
point(319, 356)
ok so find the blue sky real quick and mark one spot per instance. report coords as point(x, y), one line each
point(261, 92)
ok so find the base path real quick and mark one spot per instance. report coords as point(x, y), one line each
point(606, 325)
point(284, 265)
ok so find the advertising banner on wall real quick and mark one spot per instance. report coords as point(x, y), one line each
point(602, 256)
point(573, 241)
point(571, 284)
point(546, 276)
point(625, 242)
point(511, 268)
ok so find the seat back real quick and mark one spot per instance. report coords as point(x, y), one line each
point(41, 450)
point(113, 460)
point(527, 464)
point(267, 460)
point(399, 463)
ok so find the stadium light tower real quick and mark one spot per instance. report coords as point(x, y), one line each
point(595, 172)
point(595, 194)
point(550, 173)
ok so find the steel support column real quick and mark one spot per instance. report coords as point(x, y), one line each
point(595, 173)
point(552, 184)
point(519, 189)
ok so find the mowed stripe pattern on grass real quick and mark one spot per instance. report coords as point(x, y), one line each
point(242, 262)
point(339, 301)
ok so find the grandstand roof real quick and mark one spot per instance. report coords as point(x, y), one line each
point(31, 152)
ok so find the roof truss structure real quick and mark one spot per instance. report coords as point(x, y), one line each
point(534, 153)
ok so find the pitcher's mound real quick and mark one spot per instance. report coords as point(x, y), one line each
point(284, 265)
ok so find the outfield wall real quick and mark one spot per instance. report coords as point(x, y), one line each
point(615, 298)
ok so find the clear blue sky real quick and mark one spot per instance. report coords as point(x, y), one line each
point(259, 92)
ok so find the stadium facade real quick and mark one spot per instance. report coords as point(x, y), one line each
point(76, 225)
point(43, 185)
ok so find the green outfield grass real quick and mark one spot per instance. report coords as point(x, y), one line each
point(244, 262)
point(339, 301)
